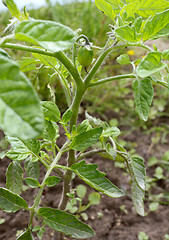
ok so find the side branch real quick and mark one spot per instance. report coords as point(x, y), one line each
point(113, 78)
point(101, 58)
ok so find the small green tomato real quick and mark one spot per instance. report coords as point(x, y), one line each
point(85, 55)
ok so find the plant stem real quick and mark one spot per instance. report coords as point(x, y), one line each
point(71, 157)
point(52, 166)
point(113, 78)
point(90, 153)
point(113, 48)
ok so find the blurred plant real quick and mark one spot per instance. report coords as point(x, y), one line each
point(143, 236)
point(80, 210)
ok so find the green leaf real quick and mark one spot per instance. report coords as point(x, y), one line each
point(66, 223)
point(165, 54)
point(157, 27)
point(111, 132)
point(123, 59)
point(51, 111)
point(84, 216)
point(96, 179)
point(32, 168)
point(26, 235)
point(143, 236)
point(110, 152)
point(51, 131)
point(106, 7)
point(132, 7)
point(94, 198)
point(31, 182)
point(150, 64)
point(50, 35)
point(10, 202)
point(20, 111)
point(153, 206)
point(86, 139)
point(13, 8)
point(2, 220)
point(27, 64)
point(14, 177)
point(138, 197)
point(21, 149)
point(67, 116)
point(137, 170)
point(81, 191)
point(128, 34)
point(138, 23)
point(47, 60)
point(52, 181)
point(83, 126)
point(150, 7)
point(144, 92)
point(96, 122)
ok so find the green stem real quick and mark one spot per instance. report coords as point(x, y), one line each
point(96, 66)
point(90, 153)
point(164, 84)
point(59, 55)
point(113, 78)
point(85, 38)
point(52, 166)
point(71, 157)
point(113, 48)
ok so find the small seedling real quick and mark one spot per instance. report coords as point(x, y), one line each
point(80, 210)
point(143, 236)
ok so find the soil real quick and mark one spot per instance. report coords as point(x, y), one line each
point(115, 223)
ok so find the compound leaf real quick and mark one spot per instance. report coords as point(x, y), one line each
point(66, 223)
point(96, 179)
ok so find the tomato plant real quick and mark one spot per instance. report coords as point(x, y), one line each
point(32, 126)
